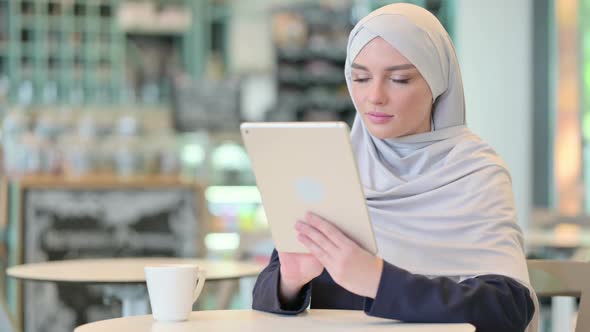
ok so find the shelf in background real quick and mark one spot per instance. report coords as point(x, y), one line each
point(100, 181)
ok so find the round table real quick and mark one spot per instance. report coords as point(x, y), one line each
point(256, 321)
point(125, 272)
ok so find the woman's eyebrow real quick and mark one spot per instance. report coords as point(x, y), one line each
point(391, 68)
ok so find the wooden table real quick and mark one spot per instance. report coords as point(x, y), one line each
point(125, 271)
point(255, 321)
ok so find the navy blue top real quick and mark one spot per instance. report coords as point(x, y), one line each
point(490, 302)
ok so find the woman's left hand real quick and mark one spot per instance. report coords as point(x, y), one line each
point(350, 266)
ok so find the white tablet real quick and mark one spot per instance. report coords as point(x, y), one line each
point(307, 166)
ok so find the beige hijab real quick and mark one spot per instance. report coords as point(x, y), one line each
point(441, 202)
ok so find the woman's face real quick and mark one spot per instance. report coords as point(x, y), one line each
point(390, 94)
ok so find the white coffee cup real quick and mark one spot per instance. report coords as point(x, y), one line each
point(173, 288)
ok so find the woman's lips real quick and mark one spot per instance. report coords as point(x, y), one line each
point(378, 117)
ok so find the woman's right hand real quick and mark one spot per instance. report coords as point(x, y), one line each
point(297, 270)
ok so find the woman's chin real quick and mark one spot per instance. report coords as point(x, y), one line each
point(382, 134)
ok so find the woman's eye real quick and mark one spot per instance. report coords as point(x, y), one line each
point(360, 80)
point(404, 81)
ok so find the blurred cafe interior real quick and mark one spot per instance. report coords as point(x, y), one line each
point(119, 130)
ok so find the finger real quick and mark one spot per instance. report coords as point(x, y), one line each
point(329, 230)
point(314, 248)
point(317, 236)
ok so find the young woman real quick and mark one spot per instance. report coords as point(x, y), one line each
point(440, 198)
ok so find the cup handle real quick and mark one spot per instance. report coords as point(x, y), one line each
point(201, 276)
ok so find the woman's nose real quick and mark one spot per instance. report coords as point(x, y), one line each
point(377, 95)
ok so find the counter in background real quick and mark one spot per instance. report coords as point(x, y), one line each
point(100, 216)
